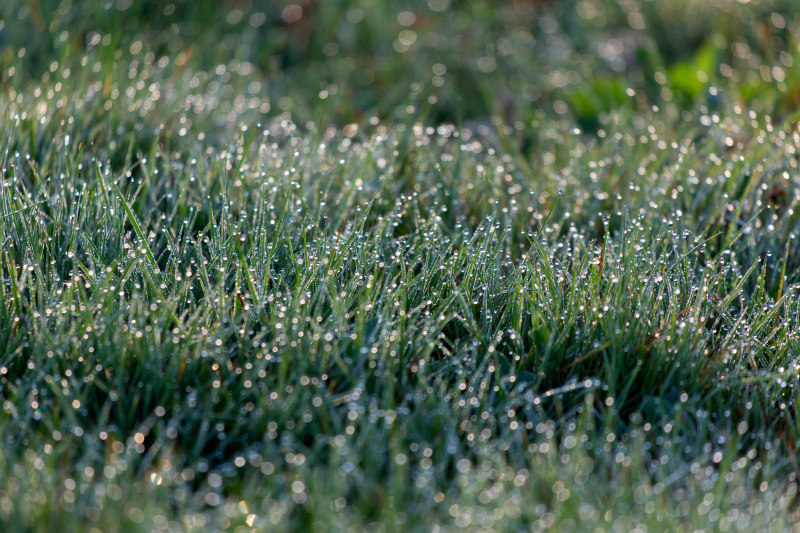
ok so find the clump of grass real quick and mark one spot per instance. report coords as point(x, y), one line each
point(331, 317)
point(213, 323)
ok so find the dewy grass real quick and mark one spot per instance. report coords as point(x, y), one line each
point(207, 323)
point(355, 344)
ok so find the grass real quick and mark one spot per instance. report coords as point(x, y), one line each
point(504, 283)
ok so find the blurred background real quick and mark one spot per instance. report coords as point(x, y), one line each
point(343, 61)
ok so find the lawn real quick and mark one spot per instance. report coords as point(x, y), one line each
point(497, 265)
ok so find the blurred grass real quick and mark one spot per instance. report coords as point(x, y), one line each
point(504, 58)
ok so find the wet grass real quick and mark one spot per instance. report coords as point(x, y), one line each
point(233, 302)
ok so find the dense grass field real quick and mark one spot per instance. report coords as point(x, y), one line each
point(399, 266)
